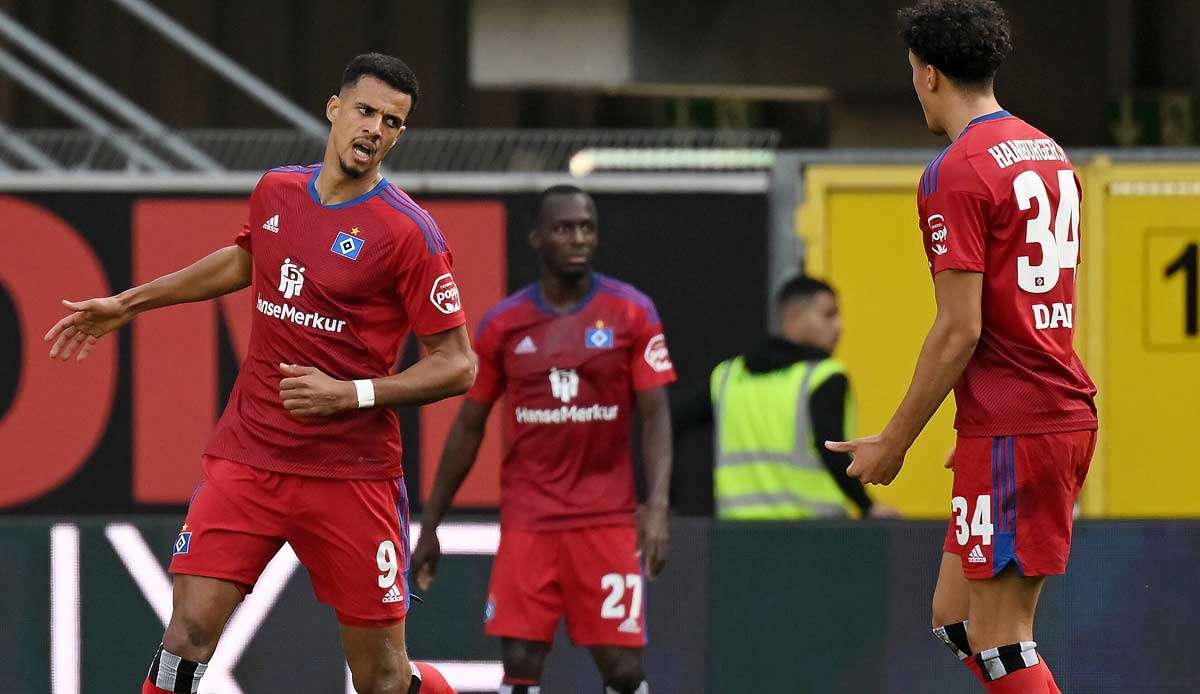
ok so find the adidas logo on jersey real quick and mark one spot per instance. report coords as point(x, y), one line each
point(393, 595)
point(525, 346)
point(976, 556)
point(272, 224)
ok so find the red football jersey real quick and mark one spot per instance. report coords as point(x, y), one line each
point(1003, 200)
point(336, 287)
point(569, 381)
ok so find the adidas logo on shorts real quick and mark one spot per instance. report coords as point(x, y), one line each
point(976, 556)
point(393, 595)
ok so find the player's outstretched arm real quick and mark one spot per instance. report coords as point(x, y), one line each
point(462, 446)
point(947, 349)
point(656, 455)
point(216, 274)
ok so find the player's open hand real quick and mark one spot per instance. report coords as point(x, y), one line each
point(88, 321)
point(652, 538)
point(425, 558)
point(306, 392)
point(876, 460)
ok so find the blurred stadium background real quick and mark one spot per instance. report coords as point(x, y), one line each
point(728, 145)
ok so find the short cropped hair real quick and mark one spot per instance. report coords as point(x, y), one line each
point(802, 288)
point(966, 39)
point(555, 191)
point(388, 69)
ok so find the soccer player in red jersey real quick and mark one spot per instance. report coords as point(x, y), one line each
point(572, 354)
point(999, 213)
point(343, 264)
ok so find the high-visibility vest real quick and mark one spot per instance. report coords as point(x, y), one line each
point(767, 464)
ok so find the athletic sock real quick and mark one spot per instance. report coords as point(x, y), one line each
point(171, 674)
point(1015, 669)
point(518, 685)
point(955, 638)
point(643, 688)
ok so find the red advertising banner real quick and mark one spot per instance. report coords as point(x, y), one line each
point(57, 414)
point(60, 411)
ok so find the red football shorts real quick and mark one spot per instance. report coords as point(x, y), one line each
point(1014, 501)
point(590, 575)
point(351, 535)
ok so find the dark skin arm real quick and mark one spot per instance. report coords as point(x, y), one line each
point(220, 272)
point(947, 349)
point(458, 457)
point(447, 369)
point(656, 456)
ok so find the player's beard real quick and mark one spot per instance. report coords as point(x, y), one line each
point(351, 171)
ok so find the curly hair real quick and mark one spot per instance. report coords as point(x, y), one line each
point(965, 39)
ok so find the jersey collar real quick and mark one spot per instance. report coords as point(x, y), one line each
point(312, 192)
point(540, 301)
point(986, 117)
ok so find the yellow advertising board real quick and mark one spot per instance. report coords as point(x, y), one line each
point(1143, 229)
point(1138, 332)
point(859, 225)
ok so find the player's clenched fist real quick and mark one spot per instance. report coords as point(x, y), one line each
point(876, 460)
point(306, 392)
point(89, 321)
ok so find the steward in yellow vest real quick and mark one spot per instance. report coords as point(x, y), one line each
point(771, 410)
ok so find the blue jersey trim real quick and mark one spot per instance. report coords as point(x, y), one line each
point(295, 168)
point(433, 236)
point(406, 200)
point(312, 192)
point(406, 549)
point(627, 292)
point(929, 180)
point(986, 117)
point(1004, 504)
point(540, 300)
point(508, 303)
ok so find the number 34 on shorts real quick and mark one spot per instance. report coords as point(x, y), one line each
point(980, 528)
